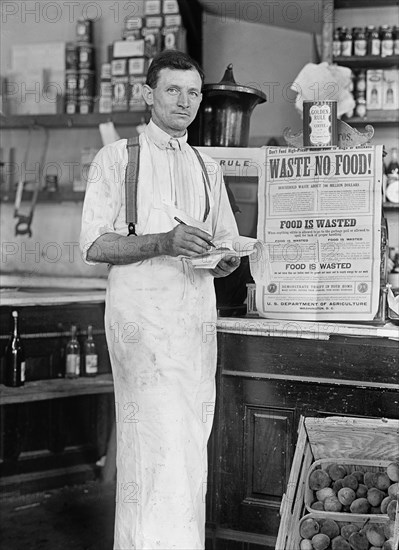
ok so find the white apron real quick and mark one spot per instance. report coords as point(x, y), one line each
point(163, 356)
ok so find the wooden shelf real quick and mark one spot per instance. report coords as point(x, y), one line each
point(73, 121)
point(367, 61)
point(391, 206)
point(41, 390)
point(67, 195)
point(376, 117)
point(345, 4)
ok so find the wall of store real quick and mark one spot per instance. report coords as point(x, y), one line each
point(262, 56)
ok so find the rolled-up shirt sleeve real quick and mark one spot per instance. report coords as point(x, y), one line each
point(102, 202)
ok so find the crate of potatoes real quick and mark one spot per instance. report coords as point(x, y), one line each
point(345, 474)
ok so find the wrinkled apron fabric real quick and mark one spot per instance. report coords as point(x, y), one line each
point(160, 318)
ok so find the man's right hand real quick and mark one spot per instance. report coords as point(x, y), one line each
point(185, 240)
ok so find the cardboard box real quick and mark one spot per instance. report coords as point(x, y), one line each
point(390, 90)
point(130, 48)
point(119, 67)
point(334, 438)
point(153, 22)
point(174, 38)
point(374, 89)
point(152, 7)
point(136, 101)
point(132, 23)
point(153, 38)
point(137, 65)
point(174, 20)
point(170, 6)
point(120, 93)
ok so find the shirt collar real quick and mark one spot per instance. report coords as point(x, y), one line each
point(162, 138)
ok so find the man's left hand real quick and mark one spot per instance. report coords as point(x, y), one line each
point(226, 266)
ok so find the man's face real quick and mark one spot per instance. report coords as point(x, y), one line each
point(175, 99)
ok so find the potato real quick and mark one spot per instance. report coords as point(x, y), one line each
point(369, 479)
point(375, 535)
point(375, 496)
point(309, 527)
point(332, 504)
point(336, 471)
point(361, 491)
point(360, 506)
point(330, 528)
point(348, 529)
point(382, 481)
point(306, 544)
point(393, 471)
point(320, 541)
point(317, 505)
point(346, 496)
point(359, 475)
point(384, 504)
point(319, 479)
point(388, 545)
point(389, 529)
point(350, 481)
point(393, 490)
point(358, 541)
point(322, 494)
point(391, 509)
point(339, 543)
point(337, 485)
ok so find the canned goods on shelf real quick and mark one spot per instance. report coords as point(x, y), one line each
point(85, 105)
point(71, 81)
point(86, 83)
point(320, 124)
point(84, 30)
point(71, 56)
point(86, 56)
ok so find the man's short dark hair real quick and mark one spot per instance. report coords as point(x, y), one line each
point(171, 59)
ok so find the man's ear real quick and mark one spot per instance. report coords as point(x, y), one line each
point(148, 96)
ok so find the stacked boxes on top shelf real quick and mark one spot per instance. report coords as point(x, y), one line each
point(159, 27)
point(80, 70)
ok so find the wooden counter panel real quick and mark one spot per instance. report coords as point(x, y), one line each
point(372, 360)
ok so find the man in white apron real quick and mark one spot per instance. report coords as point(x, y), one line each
point(159, 310)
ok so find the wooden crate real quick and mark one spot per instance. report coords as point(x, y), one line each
point(331, 438)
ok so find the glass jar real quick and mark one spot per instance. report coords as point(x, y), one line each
point(386, 41)
point(346, 42)
point(373, 41)
point(361, 82)
point(395, 33)
point(337, 42)
point(361, 109)
point(359, 41)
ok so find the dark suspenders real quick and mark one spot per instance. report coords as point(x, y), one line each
point(132, 177)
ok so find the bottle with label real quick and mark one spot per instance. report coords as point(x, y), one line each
point(359, 41)
point(14, 358)
point(395, 40)
point(386, 41)
point(346, 42)
point(72, 368)
point(373, 41)
point(90, 354)
point(337, 42)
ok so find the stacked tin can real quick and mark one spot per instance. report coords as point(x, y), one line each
point(80, 73)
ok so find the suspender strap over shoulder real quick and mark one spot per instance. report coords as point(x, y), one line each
point(131, 180)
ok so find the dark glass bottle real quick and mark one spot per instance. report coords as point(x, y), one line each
point(373, 41)
point(15, 358)
point(90, 354)
point(386, 41)
point(346, 42)
point(360, 42)
point(337, 42)
point(72, 368)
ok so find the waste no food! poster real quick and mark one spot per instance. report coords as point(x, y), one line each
point(319, 228)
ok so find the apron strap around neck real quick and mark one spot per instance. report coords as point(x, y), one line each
point(205, 179)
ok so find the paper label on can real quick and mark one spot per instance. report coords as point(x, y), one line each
point(320, 125)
